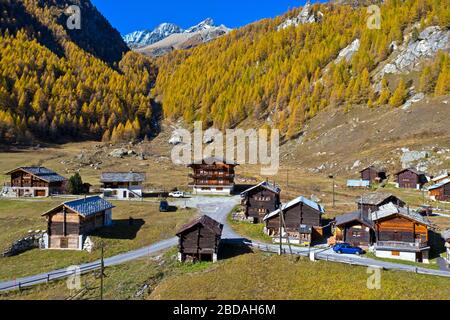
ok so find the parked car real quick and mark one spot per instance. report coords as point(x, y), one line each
point(347, 249)
point(176, 194)
point(164, 206)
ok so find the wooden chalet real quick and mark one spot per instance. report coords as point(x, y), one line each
point(411, 179)
point(440, 191)
point(213, 176)
point(260, 200)
point(122, 185)
point(401, 234)
point(200, 240)
point(354, 228)
point(70, 223)
point(373, 174)
point(301, 221)
point(371, 202)
point(36, 182)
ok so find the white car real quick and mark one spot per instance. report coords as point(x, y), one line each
point(176, 194)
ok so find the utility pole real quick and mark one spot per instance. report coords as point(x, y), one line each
point(102, 270)
point(280, 232)
point(334, 195)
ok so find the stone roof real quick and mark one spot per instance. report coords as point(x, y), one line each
point(85, 206)
point(294, 202)
point(42, 173)
point(205, 221)
point(267, 185)
point(353, 216)
point(122, 177)
point(374, 198)
point(391, 209)
point(439, 185)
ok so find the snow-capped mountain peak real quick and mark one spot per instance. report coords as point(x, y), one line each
point(204, 25)
point(147, 37)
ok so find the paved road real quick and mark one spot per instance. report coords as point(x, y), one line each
point(218, 208)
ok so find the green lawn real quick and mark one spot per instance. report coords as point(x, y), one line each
point(264, 276)
point(17, 217)
point(249, 230)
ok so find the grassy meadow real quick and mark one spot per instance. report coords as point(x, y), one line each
point(149, 226)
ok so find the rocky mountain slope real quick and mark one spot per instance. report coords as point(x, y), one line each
point(201, 33)
point(342, 95)
point(46, 21)
point(58, 84)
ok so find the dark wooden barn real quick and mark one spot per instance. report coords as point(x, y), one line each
point(354, 228)
point(440, 191)
point(260, 200)
point(373, 174)
point(302, 221)
point(69, 223)
point(411, 179)
point(200, 240)
point(401, 234)
point(36, 182)
point(371, 202)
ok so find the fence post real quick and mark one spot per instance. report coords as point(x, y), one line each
point(48, 277)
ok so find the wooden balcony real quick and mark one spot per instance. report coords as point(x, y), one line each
point(402, 245)
point(212, 175)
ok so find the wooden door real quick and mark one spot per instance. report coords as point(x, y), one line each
point(64, 243)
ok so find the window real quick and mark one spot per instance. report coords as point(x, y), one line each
point(356, 234)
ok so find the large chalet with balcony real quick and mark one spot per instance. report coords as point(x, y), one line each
point(35, 182)
point(401, 234)
point(213, 176)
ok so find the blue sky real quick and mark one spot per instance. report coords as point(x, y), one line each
point(131, 15)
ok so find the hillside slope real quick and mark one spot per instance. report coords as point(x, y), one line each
point(282, 74)
point(58, 84)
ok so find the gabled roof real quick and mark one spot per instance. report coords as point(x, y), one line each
point(439, 185)
point(216, 160)
point(374, 168)
point(374, 198)
point(86, 206)
point(122, 177)
point(205, 221)
point(391, 209)
point(41, 172)
point(353, 216)
point(294, 202)
point(266, 185)
point(441, 176)
point(419, 173)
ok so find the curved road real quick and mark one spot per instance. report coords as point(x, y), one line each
point(218, 209)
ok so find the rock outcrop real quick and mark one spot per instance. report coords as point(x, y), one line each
point(429, 42)
point(348, 52)
point(305, 16)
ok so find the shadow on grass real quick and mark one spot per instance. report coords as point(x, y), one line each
point(233, 248)
point(126, 229)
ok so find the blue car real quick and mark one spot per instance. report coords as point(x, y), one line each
point(347, 249)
